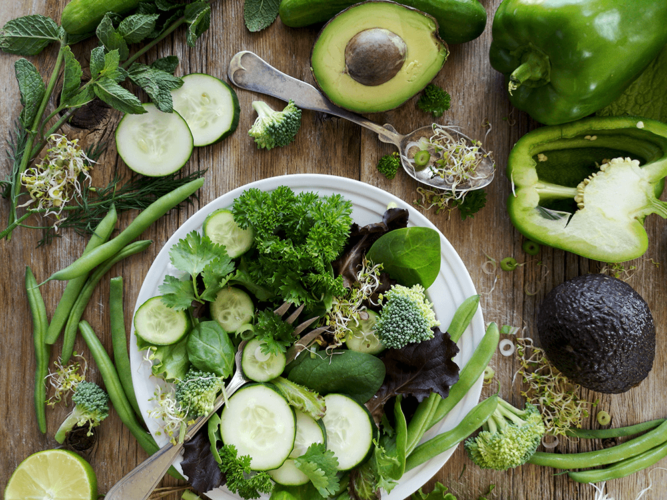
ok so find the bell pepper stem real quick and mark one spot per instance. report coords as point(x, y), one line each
point(534, 66)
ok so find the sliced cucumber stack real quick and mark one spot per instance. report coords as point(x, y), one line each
point(232, 309)
point(362, 337)
point(308, 431)
point(221, 228)
point(261, 367)
point(209, 105)
point(158, 324)
point(154, 144)
point(350, 430)
point(260, 423)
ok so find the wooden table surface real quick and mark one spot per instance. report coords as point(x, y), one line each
point(324, 145)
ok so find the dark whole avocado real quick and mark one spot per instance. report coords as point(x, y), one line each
point(598, 332)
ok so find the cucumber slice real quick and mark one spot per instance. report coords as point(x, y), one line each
point(362, 338)
point(260, 423)
point(158, 324)
point(232, 309)
point(308, 431)
point(154, 144)
point(350, 430)
point(221, 228)
point(209, 105)
point(261, 367)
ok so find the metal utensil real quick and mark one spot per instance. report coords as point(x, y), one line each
point(140, 483)
point(249, 71)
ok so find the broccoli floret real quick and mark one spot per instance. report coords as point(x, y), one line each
point(510, 437)
point(406, 318)
point(275, 128)
point(389, 165)
point(434, 100)
point(196, 393)
point(92, 406)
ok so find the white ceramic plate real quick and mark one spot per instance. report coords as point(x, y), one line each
point(451, 288)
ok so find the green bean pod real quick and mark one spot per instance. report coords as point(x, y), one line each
point(116, 394)
point(84, 297)
point(119, 341)
point(630, 430)
point(462, 317)
point(154, 211)
point(623, 468)
point(100, 236)
point(420, 420)
point(443, 442)
point(42, 351)
point(611, 455)
point(469, 374)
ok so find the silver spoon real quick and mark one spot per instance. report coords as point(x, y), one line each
point(248, 71)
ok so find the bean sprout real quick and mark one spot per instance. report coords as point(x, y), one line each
point(169, 411)
point(65, 378)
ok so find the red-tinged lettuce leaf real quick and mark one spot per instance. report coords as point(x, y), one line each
point(199, 465)
point(362, 238)
point(418, 370)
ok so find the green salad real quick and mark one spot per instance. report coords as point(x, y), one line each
point(337, 339)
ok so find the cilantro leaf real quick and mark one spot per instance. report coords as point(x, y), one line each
point(28, 35)
point(238, 473)
point(260, 14)
point(32, 89)
point(112, 39)
point(193, 253)
point(198, 17)
point(137, 27)
point(157, 84)
point(71, 76)
point(177, 293)
point(117, 97)
point(274, 332)
point(321, 466)
point(214, 274)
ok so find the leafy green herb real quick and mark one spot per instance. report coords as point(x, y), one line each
point(28, 35)
point(302, 399)
point(156, 83)
point(117, 97)
point(434, 100)
point(260, 14)
point(198, 17)
point(112, 39)
point(71, 76)
point(239, 476)
point(471, 203)
point(167, 64)
point(321, 466)
point(276, 334)
point(210, 349)
point(137, 27)
point(389, 165)
point(439, 493)
point(32, 91)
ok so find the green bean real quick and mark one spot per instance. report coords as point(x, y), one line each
point(154, 211)
point(421, 419)
point(469, 374)
point(119, 341)
point(611, 455)
point(116, 395)
point(443, 442)
point(74, 286)
point(614, 433)
point(84, 297)
point(462, 317)
point(42, 351)
point(623, 468)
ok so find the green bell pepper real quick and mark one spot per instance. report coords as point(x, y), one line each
point(565, 59)
point(586, 187)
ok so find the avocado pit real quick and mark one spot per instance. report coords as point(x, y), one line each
point(375, 56)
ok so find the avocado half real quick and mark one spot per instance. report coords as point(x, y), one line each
point(376, 55)
point(599, 332)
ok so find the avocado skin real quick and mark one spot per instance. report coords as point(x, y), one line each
point(599, 332)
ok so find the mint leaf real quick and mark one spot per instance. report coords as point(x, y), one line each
point(71, 76)
point(96, 61)
point(168, 64)
point(74, 39)
point(146, 8)
point(198, 16)
point(213, 275)
point(111, 39)
point(137, 27)
point(157, 84)
point(81, 98)
point(32, 91)
point(321, 466)
point(117, 97)
point(166, 5)
point(177, 293)
point(111, 68)
point(28, 35)
point(164, 26)
point(260, 14)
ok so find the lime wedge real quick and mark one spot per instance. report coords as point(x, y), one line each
point(52, 475)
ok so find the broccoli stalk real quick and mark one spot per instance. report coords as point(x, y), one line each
point(92, 406)
point(434, 100)
point(510, 437)
point(275, 128)
point(389, 165)
point(197, 391)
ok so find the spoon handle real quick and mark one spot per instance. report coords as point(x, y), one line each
point(248, 71)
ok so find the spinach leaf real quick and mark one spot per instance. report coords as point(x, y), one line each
point(355, 374)
point(410, 255)
point(210, 349)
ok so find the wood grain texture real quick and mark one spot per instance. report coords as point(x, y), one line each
point(329, 146)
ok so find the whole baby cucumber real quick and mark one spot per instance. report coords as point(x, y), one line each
point(460, 21)
point(83, 16)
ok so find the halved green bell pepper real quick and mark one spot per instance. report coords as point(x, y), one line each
point(566, 59)
point(586, 187)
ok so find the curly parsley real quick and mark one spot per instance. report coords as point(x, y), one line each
point(238, 474)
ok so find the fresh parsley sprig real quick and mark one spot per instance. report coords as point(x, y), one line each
point(275, 333)
point(240, 479)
